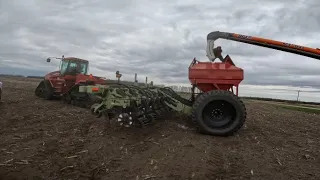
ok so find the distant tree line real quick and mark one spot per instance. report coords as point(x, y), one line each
point(10, 75)
point(280, 100)
point(36, 77)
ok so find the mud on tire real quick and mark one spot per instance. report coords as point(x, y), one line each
point(219, 113)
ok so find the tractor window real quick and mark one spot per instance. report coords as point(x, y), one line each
point(78, 67)
point(84, 68)
point(64, 67)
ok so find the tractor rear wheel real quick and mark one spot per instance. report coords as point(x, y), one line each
point(44, 90)
point(219, 113)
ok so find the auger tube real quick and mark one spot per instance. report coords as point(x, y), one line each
point(258, 41)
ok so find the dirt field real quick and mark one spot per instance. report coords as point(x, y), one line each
point(47, 140)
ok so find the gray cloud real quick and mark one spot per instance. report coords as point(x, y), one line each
point(159, 39)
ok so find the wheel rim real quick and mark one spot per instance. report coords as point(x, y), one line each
point(219, 114)
point(125, 119)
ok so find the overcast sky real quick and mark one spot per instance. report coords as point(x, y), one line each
point(158, 39)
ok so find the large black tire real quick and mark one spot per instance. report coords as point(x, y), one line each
point(44, 90)
point(210, 104)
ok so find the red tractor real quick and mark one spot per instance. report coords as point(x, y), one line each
point(64, 83)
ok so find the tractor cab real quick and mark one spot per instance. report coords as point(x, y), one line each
point(72, 66)
point(71, 71)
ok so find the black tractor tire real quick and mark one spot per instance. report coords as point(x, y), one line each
point(197, 96)
point(39, 89)
point(44, 90)
point(229, 107)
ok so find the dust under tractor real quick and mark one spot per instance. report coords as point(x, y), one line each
point(64, 83)
point(216, 110)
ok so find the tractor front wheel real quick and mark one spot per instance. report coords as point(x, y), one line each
point(219, 113)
